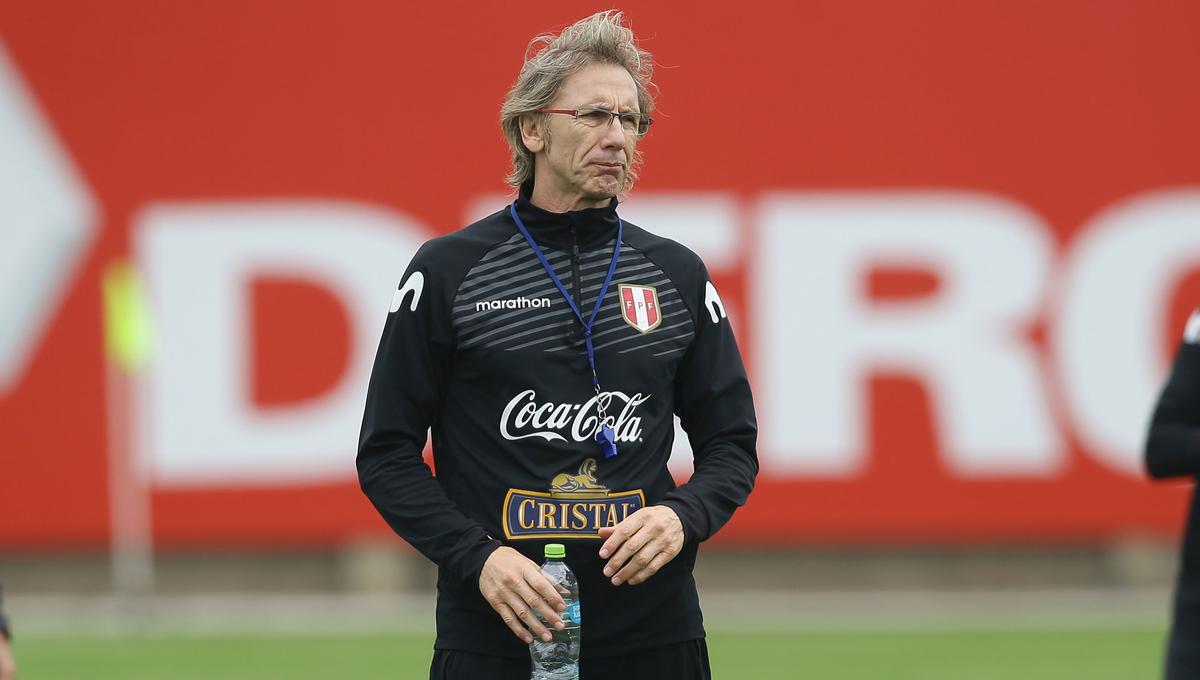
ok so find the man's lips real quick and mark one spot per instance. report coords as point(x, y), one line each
point(613, 167)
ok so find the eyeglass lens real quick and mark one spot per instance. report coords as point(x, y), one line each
point(632, 122)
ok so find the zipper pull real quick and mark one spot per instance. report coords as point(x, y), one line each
point(576, 332)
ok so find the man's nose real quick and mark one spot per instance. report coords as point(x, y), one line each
point(614, 133)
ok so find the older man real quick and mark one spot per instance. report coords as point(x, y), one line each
point(549, 347)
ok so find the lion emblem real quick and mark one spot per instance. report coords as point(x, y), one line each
point(584, 483)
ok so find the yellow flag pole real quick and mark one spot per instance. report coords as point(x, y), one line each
point(127, 342)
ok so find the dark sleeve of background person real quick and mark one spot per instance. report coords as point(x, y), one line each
point(4, 628)
point(1173, 443)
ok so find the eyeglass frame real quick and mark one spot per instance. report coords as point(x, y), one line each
point(613, 115)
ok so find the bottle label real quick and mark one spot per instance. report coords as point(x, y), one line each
point(572, 613)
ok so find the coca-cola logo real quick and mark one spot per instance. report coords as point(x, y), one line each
point(524, 417)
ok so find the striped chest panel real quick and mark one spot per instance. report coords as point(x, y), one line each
point(507, 302)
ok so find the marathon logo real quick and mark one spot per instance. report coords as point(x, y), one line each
point(576, 507)
point(512, 303)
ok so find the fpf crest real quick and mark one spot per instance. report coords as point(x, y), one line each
point(639, 307)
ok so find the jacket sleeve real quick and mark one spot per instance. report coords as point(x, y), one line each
point(715, 407)
point(1173, 442)
point(5, 629)
point(403, 402)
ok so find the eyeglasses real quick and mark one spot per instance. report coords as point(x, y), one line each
point(632, 122)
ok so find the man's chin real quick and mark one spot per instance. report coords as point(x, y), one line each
point(606, 186)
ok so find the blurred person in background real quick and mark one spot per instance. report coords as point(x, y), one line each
point(551, 401)
point(8, 666)
point(1173, 450)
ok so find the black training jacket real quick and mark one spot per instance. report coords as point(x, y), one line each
point(1173, 450)
point(480, 348)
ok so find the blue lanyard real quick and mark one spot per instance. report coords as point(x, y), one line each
point(605, 436)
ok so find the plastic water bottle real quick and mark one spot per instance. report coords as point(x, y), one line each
point(558, 659)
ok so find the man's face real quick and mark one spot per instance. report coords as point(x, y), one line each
point(581, 166)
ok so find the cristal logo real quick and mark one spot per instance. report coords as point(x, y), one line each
point(551, 421)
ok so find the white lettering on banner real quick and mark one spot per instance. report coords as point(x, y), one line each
point(818, 337)
point(199, 425)
point(815, 340)
point(580, 421)
point(47, 220)
point(1107, 339)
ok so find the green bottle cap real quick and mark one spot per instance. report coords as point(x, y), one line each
point(555, 551)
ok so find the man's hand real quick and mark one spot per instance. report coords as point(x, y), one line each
point(516, 588)
point(8, 667)
point(641, 544)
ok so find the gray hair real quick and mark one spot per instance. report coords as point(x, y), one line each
point(600, 38)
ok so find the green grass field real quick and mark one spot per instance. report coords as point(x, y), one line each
point(1125, 654)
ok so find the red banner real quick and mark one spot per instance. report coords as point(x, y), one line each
point(958, 240)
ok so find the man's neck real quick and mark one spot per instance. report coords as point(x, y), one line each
point(552, 201)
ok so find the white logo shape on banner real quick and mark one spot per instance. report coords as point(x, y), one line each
point(48, 219)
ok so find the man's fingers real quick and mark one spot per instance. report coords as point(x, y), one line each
point(622, 532)
point(536, 602)
point(525, 615)
point(629, 548)
point(660, 540)
point(660, 560)
point(519, 592)
point(514, 624)
point(639, 560)
point(545, 589)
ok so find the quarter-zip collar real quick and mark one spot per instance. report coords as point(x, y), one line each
point(592, 227)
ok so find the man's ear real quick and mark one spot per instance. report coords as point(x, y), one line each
point(533, 134)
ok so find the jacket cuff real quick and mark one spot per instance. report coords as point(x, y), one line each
point(478, 556)
point(689, 531)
